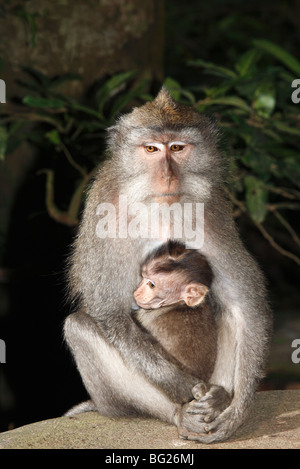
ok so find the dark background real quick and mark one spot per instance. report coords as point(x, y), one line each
point(39, 379)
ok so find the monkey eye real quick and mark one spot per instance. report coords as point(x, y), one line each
point(176, 147)
point(151, 284)
point(151, 148)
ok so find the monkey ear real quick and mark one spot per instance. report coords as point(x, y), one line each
point(194, 293)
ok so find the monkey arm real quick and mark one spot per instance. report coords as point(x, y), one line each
point(118, 388)
point(244, 328)
point(243, 313)
point(242, 351)
point(106, 272)
point(141, 353)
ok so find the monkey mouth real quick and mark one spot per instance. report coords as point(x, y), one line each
point(168, 194)
point(168, 197)
point(151, 305)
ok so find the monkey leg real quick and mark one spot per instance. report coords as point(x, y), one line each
point(115, 389)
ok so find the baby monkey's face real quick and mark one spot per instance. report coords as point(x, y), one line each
point(158, 289)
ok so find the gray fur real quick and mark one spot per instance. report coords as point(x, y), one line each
point(123, 370)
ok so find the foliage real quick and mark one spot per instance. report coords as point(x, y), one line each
point(223, 30)
point(61, 127)
point(251, 100)
point(261, 130)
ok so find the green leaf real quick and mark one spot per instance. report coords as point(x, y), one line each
point(246, 63)
point(226, 101)
point(256, 198)
point(85, 109)
point(289, 166)
point(221, 90)
point(190, 96)
point(177, 91)
point(67, 77)
point(30, 18)
point(225, 72)
point(174, 87)
point(264, 100)
point(37, 77)
point(285, 128)
point(259, 161)
point(53, 136)
point(128, 97)
point(3, 142)
point(272, 134)
point(43, 102)
point(113, 86)
point(282, 55)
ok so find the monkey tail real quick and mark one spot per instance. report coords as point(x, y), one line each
point(86, 406)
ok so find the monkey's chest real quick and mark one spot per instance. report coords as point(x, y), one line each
point(190, 338)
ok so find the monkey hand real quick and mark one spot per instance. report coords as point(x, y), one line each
point(210, 401)
point(199, 418)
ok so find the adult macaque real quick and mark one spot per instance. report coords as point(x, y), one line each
point(176, 309)
point(164, 153)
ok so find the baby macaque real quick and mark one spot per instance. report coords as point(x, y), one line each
point(176, 308)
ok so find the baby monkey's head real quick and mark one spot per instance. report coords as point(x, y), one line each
point(173, 275)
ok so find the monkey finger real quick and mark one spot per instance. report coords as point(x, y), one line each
point(197, 407)
point(206, 397)
point(188, 435)
point(211, 426)
point(192, 410)
point(205, 402)
point(195, 410)
point(199, 390)
point(208, 418)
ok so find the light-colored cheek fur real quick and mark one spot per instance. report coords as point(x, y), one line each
point(138, 191)
point(196, 188)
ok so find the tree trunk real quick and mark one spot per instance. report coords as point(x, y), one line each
point(88, 37)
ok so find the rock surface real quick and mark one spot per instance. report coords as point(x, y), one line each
point(274, 423)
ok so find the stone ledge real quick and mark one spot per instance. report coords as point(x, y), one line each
point(274, 423)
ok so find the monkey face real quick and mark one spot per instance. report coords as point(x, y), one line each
point(164, 158)
point(164, 151)
point(156, 289)
point(146, 296)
